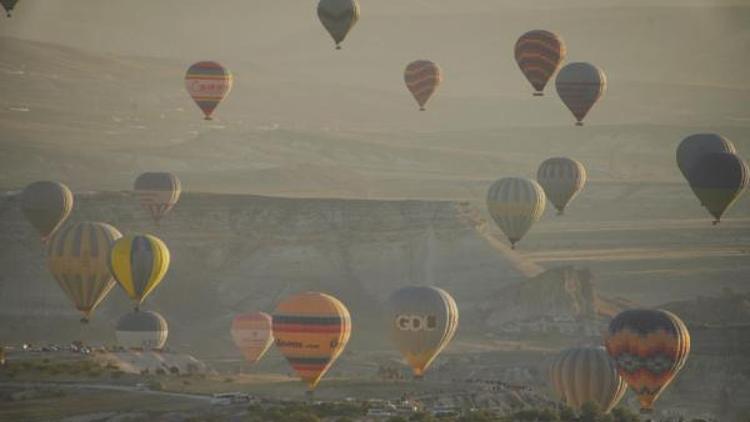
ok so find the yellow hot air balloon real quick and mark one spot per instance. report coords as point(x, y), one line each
point(587, 374)
point(139, 263)
point(46, 205)
point(77, 256)
point(649, 347)
point(252, 334)
point(422, 321)
point(311, 331)
point(515, 203)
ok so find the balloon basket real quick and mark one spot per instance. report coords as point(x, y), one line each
point(538, 94)
point(579, 123)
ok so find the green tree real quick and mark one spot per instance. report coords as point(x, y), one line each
point(622, 414)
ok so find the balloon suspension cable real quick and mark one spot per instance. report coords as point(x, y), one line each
point(579, 123)
point(539, 94)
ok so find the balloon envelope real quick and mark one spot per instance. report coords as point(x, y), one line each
point(692, 148)
point(8, 5)
point(158, 192)
point(515, 203)
point(252, 334)
point(561, 178)
point(77, 256)
point(649, 348)
point(580, 86)
point(311, 331)
point(46, 205)
point(139, 263)
point(539, 54)
point(144, 330)
point(338, 17)
point(718, 180)
point(422, 78)
point(421, 321)
point(587, 374)
point(208, 83)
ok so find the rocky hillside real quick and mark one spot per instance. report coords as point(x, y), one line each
point(235, 253)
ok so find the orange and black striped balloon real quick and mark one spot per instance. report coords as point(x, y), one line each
point(649, 347)
point(311, 331)
point(422, 77)
point(539, 54)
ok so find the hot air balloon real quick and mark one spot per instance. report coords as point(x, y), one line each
point(587, 374)
point(515, 203)
point(718, 179)
point(695, 146)
point(46, 205)
point(158, 192)
point(422, 77)
point(580, 85)
point(311, 331)
point(649, 348)
point(77, 257)
point(539, 54)
point(8, 5)
point(144, 330)
point(561, 178)
point(252, 334)
point(338, 17)
point(138, 263)
point(208, 83)
point(421, 322)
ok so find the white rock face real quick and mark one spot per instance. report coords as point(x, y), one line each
point(233, 253)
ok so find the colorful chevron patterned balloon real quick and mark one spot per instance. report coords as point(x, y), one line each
point(649, 347)
point(539, 54)
point(423, 77)
point(208, 83)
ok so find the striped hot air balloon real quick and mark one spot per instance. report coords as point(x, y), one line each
point(649, 348)
point(139, 263)
point(143, 330)
point(252, 334)
point(311, 331)
point(587, 374)
point(515, 203)
point(422, 77)
point(580, 86)
point(338, 17)
point(421, 321)
point(77, 256)
point(692, 148)
point(8, 5)
point(539, 54)
point(158, 192)
point(46, 205)
point(718, 180)
point(208, 83)
point(561, 178)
